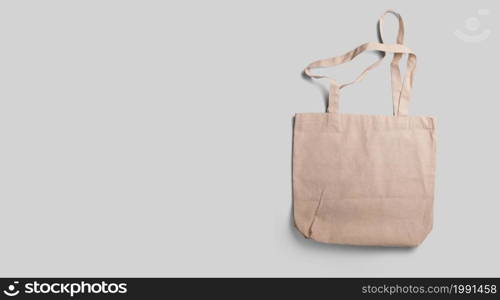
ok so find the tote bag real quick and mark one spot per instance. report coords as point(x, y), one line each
point(365, 179)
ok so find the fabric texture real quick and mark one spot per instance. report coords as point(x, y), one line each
point(365, 179)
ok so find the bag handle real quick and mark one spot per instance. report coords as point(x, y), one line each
point(395, 71)
point(401, 90)
point(401, 29)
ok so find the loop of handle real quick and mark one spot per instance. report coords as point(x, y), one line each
point(395, 71)
point(400, 89)
point(401, 29)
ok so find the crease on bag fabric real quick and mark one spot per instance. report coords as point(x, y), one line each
point(316, 211)
point(365, 179)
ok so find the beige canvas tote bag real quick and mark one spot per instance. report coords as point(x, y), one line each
point(365, 179)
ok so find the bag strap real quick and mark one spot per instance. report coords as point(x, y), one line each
point(395, 71)
point(400, 90)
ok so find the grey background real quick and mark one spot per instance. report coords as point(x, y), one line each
point(153, 138)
